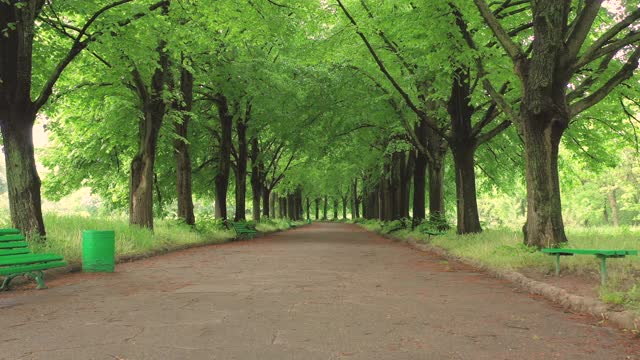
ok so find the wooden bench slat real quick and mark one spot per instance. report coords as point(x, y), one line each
point(9, 231)
point(590, 252)
point(31, 267)
point(13, 244)
point(12, 237)
point(28, 259)
point(16, 251)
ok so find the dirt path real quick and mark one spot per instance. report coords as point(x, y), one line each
point(327, 291)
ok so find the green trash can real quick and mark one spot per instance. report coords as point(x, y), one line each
point(98, 250)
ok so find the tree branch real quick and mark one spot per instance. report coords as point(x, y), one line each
point(623, 74)
point(613, 47)
point(76, 49)
point(405, 96)
point(581, 29)
point(605, 39)
point(394, 49)
point(493, 132)
point(513, 50)
point(497, 97)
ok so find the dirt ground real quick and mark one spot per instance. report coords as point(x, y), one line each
point(325, 291)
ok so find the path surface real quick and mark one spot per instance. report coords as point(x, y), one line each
point(327, 291)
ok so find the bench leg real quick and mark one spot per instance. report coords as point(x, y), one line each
point(557, 264)
point(603, 270)
point(7, 280)
point(38, 277)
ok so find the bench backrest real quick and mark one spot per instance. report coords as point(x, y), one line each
point(13, 243)
point(590, 252)
point(239, 226)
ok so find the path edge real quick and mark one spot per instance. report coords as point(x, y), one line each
point(625, 319)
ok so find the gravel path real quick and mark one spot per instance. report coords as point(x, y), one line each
point(326, 291)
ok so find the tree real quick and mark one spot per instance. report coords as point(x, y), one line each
point(18, 111)
point(562, 52)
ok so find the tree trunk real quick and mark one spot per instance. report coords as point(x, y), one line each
point(141, 189)
point(544, 226)
point(300, 202)
point(436, 191)
point(335, 208)
point(272, 202)
point(241, 168)
point(356, 201)
point(419, 187)
point(256, 181)
point(395, 184)
point(18, 114)
point(463, 146)
point(308, 208)
point(324, 212)
point(291, 207)
point(142, 165)
point(181, 150)
point(544, 116)
point(23, 182)
point(613, 202)
point(317, 202)
point(405, 185)
point(224, 157)
point(467, 205)
point(437, 148)
point(344, 207)
point(267, 203)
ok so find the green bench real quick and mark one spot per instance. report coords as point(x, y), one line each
point(16, 259)
point(241, 229)
point(603, 255)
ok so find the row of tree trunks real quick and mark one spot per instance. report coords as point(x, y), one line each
point(291, 206)
point(395, 187)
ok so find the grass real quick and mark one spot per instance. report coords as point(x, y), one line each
point(64, 235)
point(504, 249)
